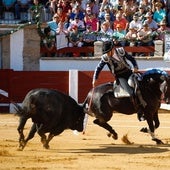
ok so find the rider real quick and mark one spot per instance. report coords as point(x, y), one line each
point(115, 59)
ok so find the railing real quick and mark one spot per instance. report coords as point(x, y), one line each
point(89, 49)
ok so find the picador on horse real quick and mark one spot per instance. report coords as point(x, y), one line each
point(116, 60)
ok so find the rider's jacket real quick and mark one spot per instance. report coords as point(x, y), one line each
point(117, 64)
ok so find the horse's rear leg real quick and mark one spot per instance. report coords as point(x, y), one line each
point(107, 127)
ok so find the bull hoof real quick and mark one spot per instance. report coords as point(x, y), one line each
point(144, 130)
point(158, 141)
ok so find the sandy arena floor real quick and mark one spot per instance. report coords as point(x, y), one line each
point(91, 151)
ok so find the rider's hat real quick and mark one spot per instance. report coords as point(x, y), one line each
point(107, 46)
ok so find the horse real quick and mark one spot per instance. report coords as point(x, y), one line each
point(101, 102)
point(167, 94)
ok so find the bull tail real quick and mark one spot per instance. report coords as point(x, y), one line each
point(19, 111)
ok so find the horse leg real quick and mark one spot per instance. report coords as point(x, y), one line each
point(156, 120)
point(152, 131)
point(20, 129)
point(107, 127)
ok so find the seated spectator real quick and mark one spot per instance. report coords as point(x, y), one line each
point(9, 6)
point(22, 6)
point(54, 23)
point(121, 21)
point(90, 19)
point(131, 38)
point(141, 13)
point(94, 7)
point(75, 39)
point(152, 23)
point(145, 36)
point(130, 7)
point(103, 13)
point(119, 36)
point(89, 37)
point(136, 23)
point(65, 5)
point(76, 11)
point(48, 42)
point(108, 19)
point(78, 22)
point(159, 13)
point(60, 13)
point(105, 33)
point(104, 5)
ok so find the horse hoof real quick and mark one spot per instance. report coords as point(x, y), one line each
point(158, 141)
point(46, 146)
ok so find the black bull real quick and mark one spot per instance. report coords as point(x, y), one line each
point(103, 103)
point(51, 111)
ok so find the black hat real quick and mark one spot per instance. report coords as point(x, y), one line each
point(107, 46)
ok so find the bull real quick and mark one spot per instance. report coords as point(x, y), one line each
point(51, 112)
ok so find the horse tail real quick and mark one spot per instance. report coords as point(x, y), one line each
point(19, 111)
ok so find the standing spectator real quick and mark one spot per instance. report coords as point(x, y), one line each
point(159, 13)
point(104, 4)
point(54, 23)
point(106, 33)
point(152, 23)
point(9, 6)
point(90, 19)
point(22, 6)
point(60, 13)
point(121, 21)
point(53, 6)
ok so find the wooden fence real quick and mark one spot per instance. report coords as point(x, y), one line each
point(16, 84)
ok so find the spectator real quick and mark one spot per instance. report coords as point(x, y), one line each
point(103, 13)
point(75, 37)
point(159, 13)
point(48, 42)
point(147, 4)
point(107, 18)
point(9, 6)
point(119, 36)
point(94, 7)
point(104, 5)
point(106, 33)
point(141, 13)
point(130, 8)
point(136, 23)
point(89, 37)
point(131, 38)
point(36, 10)
point(22, 6)
point(65, 4)
point(60, 13)
point(53, 6)
point(78, 22)
point(145, 36)
point(54, 23)
point(121, 21)
point(152, 23)
point(90, 19)
point(76, 11)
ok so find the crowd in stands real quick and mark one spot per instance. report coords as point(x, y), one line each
point(77, 23)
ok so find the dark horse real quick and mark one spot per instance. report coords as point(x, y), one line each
point(167, 94)
point(103, 103)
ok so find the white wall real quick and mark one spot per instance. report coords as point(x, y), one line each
point(16, 50)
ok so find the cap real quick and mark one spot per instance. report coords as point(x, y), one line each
point(148, 14)
point(162, 23)
point(158, 4)
point(106, 7)
point(145, 24)
point(107, 46)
